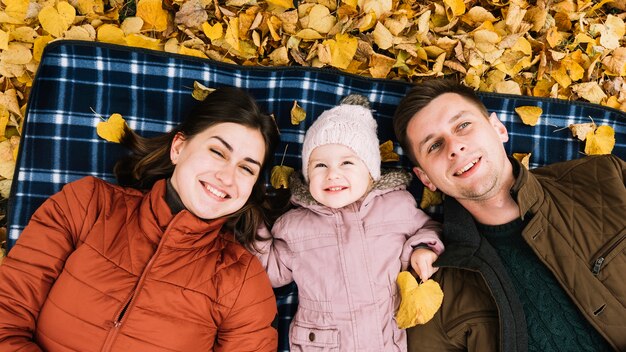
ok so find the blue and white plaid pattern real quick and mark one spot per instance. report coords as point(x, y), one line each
point(152, 90)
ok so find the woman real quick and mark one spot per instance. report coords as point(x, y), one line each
point(160, 266)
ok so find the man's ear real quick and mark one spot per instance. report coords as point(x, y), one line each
point(499, 127)
point(424, 178)
point(178, 143)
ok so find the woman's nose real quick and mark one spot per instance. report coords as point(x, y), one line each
point(226, 175)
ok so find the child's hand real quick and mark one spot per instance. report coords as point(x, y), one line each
point(422, 262)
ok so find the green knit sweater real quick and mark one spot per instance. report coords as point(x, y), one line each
point(554, 323)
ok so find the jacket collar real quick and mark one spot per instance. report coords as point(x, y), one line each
point(184, 229)
point(526, 190)
point(389, 181)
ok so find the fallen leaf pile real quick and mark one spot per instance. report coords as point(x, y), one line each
point(569, 49)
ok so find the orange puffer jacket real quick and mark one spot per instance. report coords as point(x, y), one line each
point(104, 268)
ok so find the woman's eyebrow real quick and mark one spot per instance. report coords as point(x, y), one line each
point(230, 148)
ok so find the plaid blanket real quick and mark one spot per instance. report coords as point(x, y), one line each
point(79, 82)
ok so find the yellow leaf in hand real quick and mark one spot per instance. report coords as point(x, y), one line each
point(113, 129)
point(419, 303)
point(297, 114)
point(601, 141)
point(581, 130)
point(529, 114)
point(387, 153)
point(430, 198)
point(56, 20)
point(279, 177)
point(523, 158)
point(200, 92)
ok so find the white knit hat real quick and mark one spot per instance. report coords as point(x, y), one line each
point(349, 125)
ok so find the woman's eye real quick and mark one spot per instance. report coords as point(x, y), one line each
point(248, 170)
point(217, 152)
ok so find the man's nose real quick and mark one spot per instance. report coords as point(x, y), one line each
point(456, 148)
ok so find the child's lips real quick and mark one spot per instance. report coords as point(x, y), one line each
point(335, 188)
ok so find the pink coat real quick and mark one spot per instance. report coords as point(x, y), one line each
point(345, 263)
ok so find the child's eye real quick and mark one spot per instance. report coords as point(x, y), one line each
point(319, 165)
point(347, 162)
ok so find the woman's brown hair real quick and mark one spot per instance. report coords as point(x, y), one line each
point(149, 160)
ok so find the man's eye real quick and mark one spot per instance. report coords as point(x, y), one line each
point(434, 146)
point(463, 125)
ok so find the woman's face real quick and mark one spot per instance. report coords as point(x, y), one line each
point(216, 169)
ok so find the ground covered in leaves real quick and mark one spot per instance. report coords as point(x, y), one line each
point(571, 49)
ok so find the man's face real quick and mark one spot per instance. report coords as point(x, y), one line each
point(459, 150)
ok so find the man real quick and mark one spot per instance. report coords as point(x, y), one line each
point(534, 260)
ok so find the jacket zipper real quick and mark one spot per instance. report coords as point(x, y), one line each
point(607, 255)
point(121, 314)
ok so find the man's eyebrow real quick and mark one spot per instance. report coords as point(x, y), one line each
point(431, 136)
point(230, 148)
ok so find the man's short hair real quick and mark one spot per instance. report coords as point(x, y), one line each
point(421, 95)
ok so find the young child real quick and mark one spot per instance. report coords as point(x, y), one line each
point(351, 234)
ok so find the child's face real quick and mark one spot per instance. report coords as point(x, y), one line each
point(337, 176)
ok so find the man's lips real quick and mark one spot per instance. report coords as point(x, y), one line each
point(467, 167)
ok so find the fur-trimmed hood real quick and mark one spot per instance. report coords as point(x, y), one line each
point(390, 180)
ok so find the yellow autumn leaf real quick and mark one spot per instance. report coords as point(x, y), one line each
point(342, 50)
point(601, 141)
point(56, 20)
point(191, 52)
point(529, 114)
point(152, 14)
point(614, 31)
point(4, 40)
point(16, 9)
point(387, 153)
point(200, 91)
point(320, 19)
point(141, 41)
point(286, 4)
point(4, 119)
point(279, 176)
point(232, 33)
point(297, 114)
point(523, 158)
point(430, 198)
point(382, 36)
point(39, 44)
point(454, 8)
point(419, 302)
point(581, 130)
point(16, 54)
point(214, 31)
point(308, 34)
point(132, 25)
point(380, 65)
point(590, 91)
point(109, 33)
point(113, 129)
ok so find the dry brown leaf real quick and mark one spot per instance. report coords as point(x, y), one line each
point(430, 198)
point(279, 176)
point(380, 65)
point(386, 152)
point(279, 57)
point(590, 91)
point(581, 130)
point(191, 14)
point(297, 114)
point(529, 114)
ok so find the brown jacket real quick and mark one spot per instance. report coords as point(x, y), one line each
point(104, 268)
point(577, 228)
